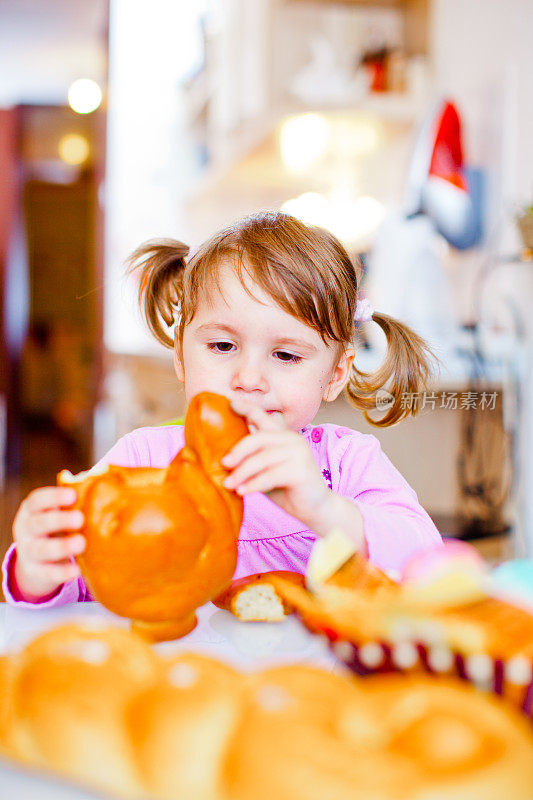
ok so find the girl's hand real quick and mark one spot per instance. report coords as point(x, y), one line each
point(43, 561)
point(277, 461)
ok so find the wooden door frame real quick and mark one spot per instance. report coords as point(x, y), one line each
point(10, 229)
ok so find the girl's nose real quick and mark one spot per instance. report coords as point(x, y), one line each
point(248, 377)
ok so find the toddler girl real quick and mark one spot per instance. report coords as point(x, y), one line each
point(264, 313)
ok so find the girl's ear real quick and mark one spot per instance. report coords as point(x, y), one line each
point(340, 375)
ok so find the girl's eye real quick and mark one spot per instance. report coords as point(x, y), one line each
point(288, 358)
point(220, 347)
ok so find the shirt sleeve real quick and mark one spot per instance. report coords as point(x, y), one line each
point(395, 524)
point(74, 591)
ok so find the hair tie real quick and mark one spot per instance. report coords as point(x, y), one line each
point(363, 310)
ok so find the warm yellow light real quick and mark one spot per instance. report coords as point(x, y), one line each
point(84, 96)
point(310, 207)
point(352, 220)
point(303, 140)
point(74, 148)
point(356, 138)
point(357, 221)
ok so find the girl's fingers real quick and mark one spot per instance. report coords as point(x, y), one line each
point(49, 497)
point(59, 573)
point(55, 549)
point(53, 574)
point(253, 443)
point(272, 478)
point(47, 522)
point(254, 464)
point(258, 418)
point(245, 447)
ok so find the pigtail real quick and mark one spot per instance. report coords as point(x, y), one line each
point(160, 264)
point(407, 367)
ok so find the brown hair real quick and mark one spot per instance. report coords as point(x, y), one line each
point(307, 272)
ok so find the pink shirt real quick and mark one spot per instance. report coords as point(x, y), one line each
point(353, 465)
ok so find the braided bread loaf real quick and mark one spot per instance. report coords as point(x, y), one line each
point(100, 707)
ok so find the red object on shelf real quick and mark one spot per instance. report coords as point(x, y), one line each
point(440, 185)
point(376, 70)
point(447, 156)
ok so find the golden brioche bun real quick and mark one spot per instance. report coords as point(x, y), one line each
point(161, 542)
point(459, 741)
point(390, 737)
point(68, 697)
point(194, 709)
point(287, 745)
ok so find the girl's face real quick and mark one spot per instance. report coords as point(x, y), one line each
point(246, 348)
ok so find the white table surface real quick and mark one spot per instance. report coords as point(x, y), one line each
point(244, 645)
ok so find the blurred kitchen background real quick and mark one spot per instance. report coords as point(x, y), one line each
point(124, 120)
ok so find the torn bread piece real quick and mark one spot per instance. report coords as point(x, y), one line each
point(254, 598)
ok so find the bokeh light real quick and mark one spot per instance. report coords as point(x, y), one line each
point(84, 96)
point(74, 149)
point(353, 220)
point(303, 140)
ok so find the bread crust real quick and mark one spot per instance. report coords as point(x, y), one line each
point(254, 598)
